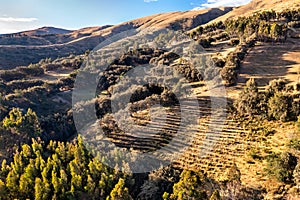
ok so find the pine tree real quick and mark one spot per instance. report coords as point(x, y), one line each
point(12, 182)
point(189, 186)
point(38, 189)
point(3, 189)
point(120, 192)
point(31, 123)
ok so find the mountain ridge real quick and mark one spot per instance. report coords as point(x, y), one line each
point(31, 49)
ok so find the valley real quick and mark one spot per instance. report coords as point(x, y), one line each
point(232, 134)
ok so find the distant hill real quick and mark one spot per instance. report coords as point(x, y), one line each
point(32, 46)
point(40, 31)
point(257, 6)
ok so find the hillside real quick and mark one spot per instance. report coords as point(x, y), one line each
point(256, 6)
point(61, 119)
point(31, 48)
point(47, 30)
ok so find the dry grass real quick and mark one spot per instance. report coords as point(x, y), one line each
point(266, 62)
point(258, 6)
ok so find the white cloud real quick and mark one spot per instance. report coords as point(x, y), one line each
point(17, 24)
point(148, 1)
point(16, 19)
point(221, 3)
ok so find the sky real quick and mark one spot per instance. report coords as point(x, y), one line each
point(20, 15)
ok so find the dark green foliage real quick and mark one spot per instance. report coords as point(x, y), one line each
point(266, 26)
point(21, 72)
point(60, 171)
point(229, 75)
point(281, 166)
point(275, 86)
point(279, 107)
point(190, 186)
point(234, 42)
point(248, 102)
point(206, 43)
point(276, 103)
point(27, 124)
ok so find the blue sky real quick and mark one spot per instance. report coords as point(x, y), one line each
point(18, 15)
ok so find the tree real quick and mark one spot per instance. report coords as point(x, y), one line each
point(275, 86)
point(38, 189)
point(14, 119)
point(190, 186)
point(249, 100)
point(120, 192)
point(279, 107)
point(276, 31)
point(282, 166)
point(12, 183)
point(3, 189)
point(27, 180)
point(229, 75)
point(27, 124)
point(31, 123)
point(215, 196)
point(296, 175)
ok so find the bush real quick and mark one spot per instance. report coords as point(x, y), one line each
point(229, 75)
point(234, 42)
point(281, 166)
point(276, 86)
point(51, 67)
point(30, 71)
point(295, 144)
point(248, 103)
point(219, 62)
point(279, 107)
point(7, 76)
point(233, 60)
point(206, 43)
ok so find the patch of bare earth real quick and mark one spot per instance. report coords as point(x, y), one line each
point(266, 62)
point(51, 76)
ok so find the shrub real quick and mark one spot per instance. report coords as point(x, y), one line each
point(248, 103)
point(206, 43)
point(31, 70)
point(295, 144)
point(234, 42)
point(279, 107)
point(229, 75)
point(190, 186)
point(233, 60)
point(281, 166)
point(276, 86)
point(219, 62)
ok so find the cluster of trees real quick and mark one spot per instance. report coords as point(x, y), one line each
point(232, 64)
point(68, 171)
point(60, 171)
point(277, 102)
point(18, 123)
point(266, 26)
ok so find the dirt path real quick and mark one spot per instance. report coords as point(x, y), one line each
point(51, 76)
